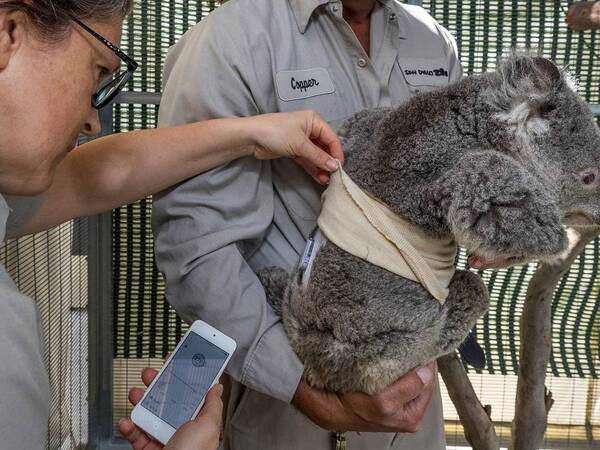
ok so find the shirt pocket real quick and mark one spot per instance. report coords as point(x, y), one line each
point(307, 89)
point(424, 74)
point(299, 193)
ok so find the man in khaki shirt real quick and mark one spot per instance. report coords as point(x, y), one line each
point(215, 230)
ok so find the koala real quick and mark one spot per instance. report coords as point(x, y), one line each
point(499, 162)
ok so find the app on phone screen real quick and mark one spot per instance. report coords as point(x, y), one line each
point(185, 380)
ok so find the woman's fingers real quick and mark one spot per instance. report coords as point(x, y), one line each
point(135, 395)
point(317, 156)
point(203, 432)
point(148, 375)
point(320, 176)
point(322, 134)
point(134, 435)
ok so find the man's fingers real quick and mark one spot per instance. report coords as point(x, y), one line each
point(415, 410)
point(148, 374)
point(135, 395)
point(583, 16)
point(411, 385)
point(136, 437)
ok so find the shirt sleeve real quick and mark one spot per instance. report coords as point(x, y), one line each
point(455, 68)
point(22, 210)
point(206, 227)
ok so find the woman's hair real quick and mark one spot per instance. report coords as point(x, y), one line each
point(53, 18)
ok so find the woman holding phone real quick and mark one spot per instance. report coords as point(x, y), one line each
point(202, 433)
point(58, 60)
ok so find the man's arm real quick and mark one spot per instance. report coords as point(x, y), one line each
point(207, 226)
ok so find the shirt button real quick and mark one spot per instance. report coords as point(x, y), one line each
point(335, 8)
point(361, 62)
point(392, 16)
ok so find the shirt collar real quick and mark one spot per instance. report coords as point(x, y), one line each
point(402, 20)
point(303, 11)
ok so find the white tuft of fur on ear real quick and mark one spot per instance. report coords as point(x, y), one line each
point(522, 122)
point(571, 80)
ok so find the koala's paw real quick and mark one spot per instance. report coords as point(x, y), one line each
point(467, 301)
point(506, 218)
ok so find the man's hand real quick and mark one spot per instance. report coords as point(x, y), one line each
point(302, 135)
point(201, 433)
point(584, 16)
point(398, 408)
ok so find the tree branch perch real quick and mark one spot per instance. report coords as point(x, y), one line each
point(475, 418)
point(533, 399)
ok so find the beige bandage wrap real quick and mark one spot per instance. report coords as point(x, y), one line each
point(366, 228)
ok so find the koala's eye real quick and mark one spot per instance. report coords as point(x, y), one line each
point(588, 177)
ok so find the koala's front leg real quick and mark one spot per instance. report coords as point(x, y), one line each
point(494, 207)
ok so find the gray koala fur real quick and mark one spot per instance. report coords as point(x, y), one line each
point(498, 161)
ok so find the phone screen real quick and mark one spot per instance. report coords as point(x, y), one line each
point(185, 380)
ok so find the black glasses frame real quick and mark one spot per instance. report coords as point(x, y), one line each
point(109, 90)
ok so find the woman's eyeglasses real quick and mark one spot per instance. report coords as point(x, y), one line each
point(110, 88)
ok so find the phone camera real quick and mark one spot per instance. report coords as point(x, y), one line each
point(198, 360)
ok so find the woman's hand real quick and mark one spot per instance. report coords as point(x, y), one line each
point(302, 135)
point(202, 433)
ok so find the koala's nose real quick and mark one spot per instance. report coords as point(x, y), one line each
point(589, 177)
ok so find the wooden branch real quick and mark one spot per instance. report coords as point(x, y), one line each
point(584, 16)
point(475, 418)
point(533, 400)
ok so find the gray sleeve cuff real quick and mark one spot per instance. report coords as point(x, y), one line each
point(273, 368)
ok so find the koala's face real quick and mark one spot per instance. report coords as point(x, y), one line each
point(572, 141)
point(559, 131)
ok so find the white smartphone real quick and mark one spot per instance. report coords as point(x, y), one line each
point(177, 393)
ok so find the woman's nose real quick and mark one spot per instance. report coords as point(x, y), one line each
point(92, 125)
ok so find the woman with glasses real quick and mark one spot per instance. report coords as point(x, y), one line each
point(58, 66)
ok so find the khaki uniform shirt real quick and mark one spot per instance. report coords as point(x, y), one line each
point(215, 230)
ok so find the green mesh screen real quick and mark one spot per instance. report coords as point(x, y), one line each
point(145, 326)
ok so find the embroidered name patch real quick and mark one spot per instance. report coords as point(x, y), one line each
point(424, 72)
point(299, 84)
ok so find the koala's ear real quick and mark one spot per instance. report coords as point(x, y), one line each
point(521, 76)
point(525, 92)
